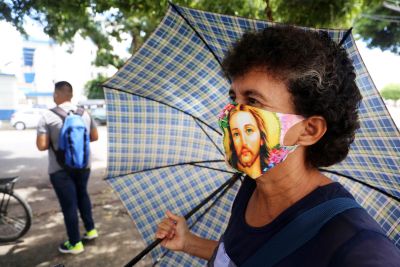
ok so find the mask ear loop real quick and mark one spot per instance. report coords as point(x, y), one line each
point(287, 122)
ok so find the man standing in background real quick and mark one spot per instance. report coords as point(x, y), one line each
point(69, 184)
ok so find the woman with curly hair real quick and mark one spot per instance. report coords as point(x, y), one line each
point(304, 86)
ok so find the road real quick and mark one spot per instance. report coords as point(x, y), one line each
point(119, 240)
point(20, 157)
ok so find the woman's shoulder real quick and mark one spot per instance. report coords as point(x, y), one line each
point(350, 221)
point(356, 238)
point(367, 247)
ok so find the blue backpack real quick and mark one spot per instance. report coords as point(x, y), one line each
point(73, 142)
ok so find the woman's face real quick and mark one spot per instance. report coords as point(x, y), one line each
point(246, 137)
point(258, 89)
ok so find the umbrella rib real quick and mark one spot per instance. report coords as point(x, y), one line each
point(166, 166)
point(209, 137)
point(211, 168)
point(149, 98)
point(225, 186)
point(196, 32)
point(348, 32)
point(363, 183)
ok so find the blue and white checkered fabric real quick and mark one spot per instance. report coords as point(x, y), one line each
point(162, 107)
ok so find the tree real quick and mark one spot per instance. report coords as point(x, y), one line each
point(379, 27)
point(94, 89)
point(374, 23)
point(105, 21)
point(316, 13)
point(391, 91)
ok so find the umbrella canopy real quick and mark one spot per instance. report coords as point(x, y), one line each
point(165, 147)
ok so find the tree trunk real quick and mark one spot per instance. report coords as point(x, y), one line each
point(268, 11)
point(134, 43)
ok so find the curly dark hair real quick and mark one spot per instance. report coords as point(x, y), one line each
point(317, 72)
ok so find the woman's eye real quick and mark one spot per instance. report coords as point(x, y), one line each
point(235, 134)
point(252, 101)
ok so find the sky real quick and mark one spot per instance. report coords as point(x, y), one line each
point(384, 67)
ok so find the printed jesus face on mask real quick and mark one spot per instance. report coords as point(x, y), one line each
point(246, 138)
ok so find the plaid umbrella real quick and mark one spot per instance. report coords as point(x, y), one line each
point(165, 148)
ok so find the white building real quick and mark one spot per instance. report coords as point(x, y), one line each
point(30, 67)
point(8, 95)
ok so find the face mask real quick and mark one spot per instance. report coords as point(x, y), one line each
point(253, 137)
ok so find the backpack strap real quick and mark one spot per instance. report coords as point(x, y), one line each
point(63, 114)
point(60, 112)
point(298, 232)
point(59, 154)
point(79, 111)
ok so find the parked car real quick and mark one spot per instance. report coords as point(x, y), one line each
point(99, 116)
point(27, 118)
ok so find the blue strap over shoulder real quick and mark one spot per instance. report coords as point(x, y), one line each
point(298, 232)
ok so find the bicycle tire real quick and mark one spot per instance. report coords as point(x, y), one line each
point(27, 216)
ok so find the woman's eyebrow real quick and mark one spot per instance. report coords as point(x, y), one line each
point(252, 92)
point(247, 92)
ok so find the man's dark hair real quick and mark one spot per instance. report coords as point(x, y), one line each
point(63, 85)
point(317, 72)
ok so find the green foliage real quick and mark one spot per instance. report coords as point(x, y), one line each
point(104, 21)
point(94, 89)
point(316, 13)
point(246, 8)
point(391, 91)
point(105, 57)
point(379, 27)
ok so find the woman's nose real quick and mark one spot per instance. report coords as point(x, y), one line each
point(240, 100)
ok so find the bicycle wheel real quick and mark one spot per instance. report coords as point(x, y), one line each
point(15, 216)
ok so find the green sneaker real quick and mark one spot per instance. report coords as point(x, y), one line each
point(66, 247)
point(90, 235)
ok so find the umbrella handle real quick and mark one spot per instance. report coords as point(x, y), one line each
point(150, 247)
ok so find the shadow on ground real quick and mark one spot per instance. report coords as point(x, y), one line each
point(117, 244)
point(119, 241)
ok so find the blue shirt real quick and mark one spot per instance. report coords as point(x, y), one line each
point(351, 238)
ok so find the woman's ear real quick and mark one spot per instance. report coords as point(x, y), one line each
point(314, 128)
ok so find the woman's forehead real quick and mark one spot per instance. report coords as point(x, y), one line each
point(270, 92)
point(257, 82)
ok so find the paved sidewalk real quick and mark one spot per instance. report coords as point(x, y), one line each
point(117, 243)
point(119, 240)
